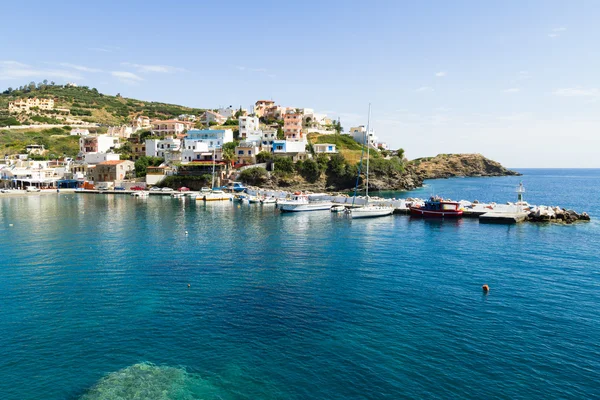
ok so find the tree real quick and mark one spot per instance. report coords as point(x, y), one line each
point(400, 153)
point(229, 155)
point(264, 156)
point(253, 176)
point(284, 165)
point(144, 162)
point(310, 171)
point(280, 134)
point(52, 83)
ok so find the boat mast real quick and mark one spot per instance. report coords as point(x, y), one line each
point(213, 171)
point(368, 145)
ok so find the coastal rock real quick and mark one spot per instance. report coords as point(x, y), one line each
point(451, 165)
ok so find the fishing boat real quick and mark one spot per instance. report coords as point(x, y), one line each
point(253, 200)
point(268, 200)
point(368, 210)
point(438, 208)
point(300, 202)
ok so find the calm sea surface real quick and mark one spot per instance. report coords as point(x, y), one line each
point(94, 299)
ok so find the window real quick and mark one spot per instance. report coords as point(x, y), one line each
point(241, 152)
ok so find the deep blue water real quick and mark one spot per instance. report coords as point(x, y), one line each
point(300, 306)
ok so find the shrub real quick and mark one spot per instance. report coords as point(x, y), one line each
point(310, 171)
point(253, 176)
point(284, 165)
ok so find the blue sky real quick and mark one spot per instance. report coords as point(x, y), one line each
point(515, 80)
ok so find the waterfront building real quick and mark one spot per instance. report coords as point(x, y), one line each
point(195, 150)
point(97, 158)
point(324, 148)
point(170, 127)
point(97, 143)
point(163, 148)
point(111, 171)
point(25, 105)
point(246, 152)
point(247, 125)
point(212, 137)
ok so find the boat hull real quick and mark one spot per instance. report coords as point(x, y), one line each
point(371, 212)
point(295, 207)
point(421, 212)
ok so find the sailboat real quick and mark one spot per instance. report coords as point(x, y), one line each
point(215, 194)
point(368, 210)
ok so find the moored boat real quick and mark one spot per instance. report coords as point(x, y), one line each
point(217, 195)
point(300, 202)
point(268, 200)
point(371, 211)
point(438, 208)
point(338, 208)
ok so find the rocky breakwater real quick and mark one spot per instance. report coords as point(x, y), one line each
point(450, 165)
point(556, 214)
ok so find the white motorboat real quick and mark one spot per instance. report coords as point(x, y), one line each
point(140, 193)
point(338, 208)
point(300, 202)
point(253, 200)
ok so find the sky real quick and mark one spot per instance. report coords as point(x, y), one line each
point(517, 81)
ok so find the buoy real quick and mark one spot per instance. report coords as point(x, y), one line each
point(10, 224)
point(189, 285)
point(485, 288)
point(186, 232)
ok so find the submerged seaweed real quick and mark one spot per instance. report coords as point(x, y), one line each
point(149, 381)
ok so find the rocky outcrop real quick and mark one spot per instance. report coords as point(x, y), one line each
point(556, 214)
point(449, 165)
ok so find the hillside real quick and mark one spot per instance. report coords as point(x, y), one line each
point(449, 165)
point(87, 105)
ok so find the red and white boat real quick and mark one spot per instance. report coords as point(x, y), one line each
point(438, 208)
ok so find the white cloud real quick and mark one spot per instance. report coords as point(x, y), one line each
point(512, 90)
point(555, 31)
point(577, 92)
point(79, 67)
point(561, 29)
point(553, 35)
point(244, 68)
point(14, 70)
point(441, 74)
point(127, 77)
point(164, 69)
point(424, 89)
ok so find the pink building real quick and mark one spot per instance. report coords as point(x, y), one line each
point(292, 127)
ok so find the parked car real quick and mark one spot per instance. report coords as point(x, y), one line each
point(137, 188)
point(184, 189)
point(32, 189)
point(167, 189)
point(155, 189)
point(119, 188)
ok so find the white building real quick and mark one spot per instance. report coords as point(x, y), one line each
point(97, 143)
point(358, 134)
point(37, 149)
point(268, 136)
point(163, 148)
point(187, 117)
point(290, 148)
point(324, 148)
point(212, 137)
point(248, 124)
point(228, 112)
point(120, 131)
point(79, 132)
point(195, 150)
point(210, 116)
point(170, 127)
point(97, 158)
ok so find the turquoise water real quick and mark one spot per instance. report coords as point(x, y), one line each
point(94, 299)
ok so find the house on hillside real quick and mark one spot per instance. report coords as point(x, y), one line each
point(246, 152)
point(111, 171)
point(324, 148)
point(211, 116)
point(248, 125)
point(25, 105)
point(171, 127)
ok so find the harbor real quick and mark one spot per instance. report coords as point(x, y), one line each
point(491, 212)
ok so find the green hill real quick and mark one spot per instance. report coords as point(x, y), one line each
point(85, 104)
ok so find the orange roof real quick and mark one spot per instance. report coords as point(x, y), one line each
point(112, 162)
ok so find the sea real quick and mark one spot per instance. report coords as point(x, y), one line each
point(116, 297)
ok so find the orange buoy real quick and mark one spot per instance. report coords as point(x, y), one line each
point(485, 288)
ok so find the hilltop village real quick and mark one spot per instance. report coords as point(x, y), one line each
point(268, 145)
